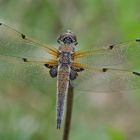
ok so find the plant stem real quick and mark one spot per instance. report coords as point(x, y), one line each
point(69, 105)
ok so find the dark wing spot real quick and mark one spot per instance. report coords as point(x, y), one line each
point(23, 36)
point(137, 40)
point(81, 69)
point(48, 66)
point(0, 23)
point(136, 73)
point(104, 69)
point(25, 59)
point(77, 69)
point(111, 47)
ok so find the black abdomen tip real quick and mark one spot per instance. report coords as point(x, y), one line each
point(0, 23)
point(58, 124)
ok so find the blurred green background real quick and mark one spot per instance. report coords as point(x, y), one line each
point(27, 94)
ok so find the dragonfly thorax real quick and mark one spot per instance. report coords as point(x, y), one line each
point(64, 58)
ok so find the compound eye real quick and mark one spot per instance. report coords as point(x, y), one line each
point(68, 40)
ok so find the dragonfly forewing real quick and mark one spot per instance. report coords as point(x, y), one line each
point(126, 53)
point(121, 59)
point(12, 42)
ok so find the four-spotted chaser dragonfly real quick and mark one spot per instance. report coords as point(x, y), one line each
point(109, 69)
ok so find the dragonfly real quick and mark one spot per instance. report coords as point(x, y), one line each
point(109, 69)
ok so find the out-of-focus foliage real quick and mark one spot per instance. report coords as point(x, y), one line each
point(27, 98)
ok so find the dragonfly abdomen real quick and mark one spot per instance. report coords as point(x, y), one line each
point(62, 89)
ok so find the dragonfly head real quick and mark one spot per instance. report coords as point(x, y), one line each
point(67, 38)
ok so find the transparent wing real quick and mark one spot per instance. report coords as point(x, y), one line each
point(107, 80)
point(31, 72)
point(22, 58)
point(15, 43)
point(121, 53)
point(110, 69)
